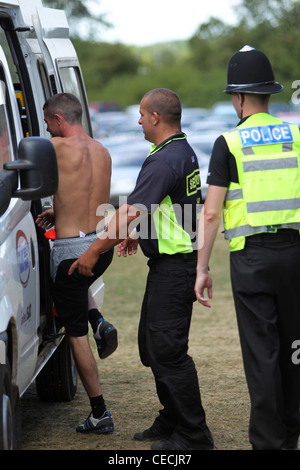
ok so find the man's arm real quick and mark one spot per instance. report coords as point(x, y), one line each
point(208, 226)
point(46, 219)
point(117, 231)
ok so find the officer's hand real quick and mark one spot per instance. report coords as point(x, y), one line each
point(128, 246)
point(85, 263)
point(203, 281)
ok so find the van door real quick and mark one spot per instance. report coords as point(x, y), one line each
point(19, 295)
point(60, 57)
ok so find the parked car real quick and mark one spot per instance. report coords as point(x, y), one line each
point(127, 160)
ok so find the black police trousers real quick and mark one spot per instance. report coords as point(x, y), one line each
point(163, 344)
point(266, 288)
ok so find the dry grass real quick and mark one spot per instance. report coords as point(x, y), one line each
point(128, 387)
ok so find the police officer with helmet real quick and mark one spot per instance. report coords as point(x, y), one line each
point(254, 174)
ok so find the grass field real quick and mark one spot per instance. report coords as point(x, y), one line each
point(214, 346)
point(128, 387)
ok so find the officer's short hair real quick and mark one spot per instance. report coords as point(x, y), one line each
point(165, 103)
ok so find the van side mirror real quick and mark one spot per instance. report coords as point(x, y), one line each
point(8, 184)
point(37, 168)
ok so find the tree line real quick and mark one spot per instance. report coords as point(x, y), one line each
point(197, 68)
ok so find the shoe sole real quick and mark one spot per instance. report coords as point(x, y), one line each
point(139, 437)
point(109, 343)
point(100, 430)
point(95, 431)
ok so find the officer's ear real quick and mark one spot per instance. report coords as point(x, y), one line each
point(155, 118)
point(241, 97)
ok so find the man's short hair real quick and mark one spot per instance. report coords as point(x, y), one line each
point(165, 103)
point(65, 104)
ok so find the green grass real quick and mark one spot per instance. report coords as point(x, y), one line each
point(214, 346)
point(128, 387)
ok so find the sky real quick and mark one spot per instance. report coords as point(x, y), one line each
point(142, 23)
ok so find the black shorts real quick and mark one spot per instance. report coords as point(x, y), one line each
point(70, 294)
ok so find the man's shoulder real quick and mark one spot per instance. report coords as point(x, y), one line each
point(57, 140)
point(62, 141)
point(59, 143)
point(78, 143)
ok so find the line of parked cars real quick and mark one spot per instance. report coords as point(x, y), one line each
point(120, 132)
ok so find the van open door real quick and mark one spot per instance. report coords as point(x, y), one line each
point(64, 72)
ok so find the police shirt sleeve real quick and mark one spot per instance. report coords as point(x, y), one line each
point(155, 181)
point(222, 167)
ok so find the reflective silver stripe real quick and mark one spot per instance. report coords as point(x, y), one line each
point(274, 164)
point(234, 194)
point(272, 82)
point(279, 205)
point(243, 231)
point(246, 230)
point(287, 146)
point(248, 151)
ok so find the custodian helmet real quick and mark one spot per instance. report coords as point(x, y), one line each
point(250, 71)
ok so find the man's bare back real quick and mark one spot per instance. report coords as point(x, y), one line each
point(84, 170)
point(84, 167)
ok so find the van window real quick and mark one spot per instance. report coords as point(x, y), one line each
point(5, 142)
point(71, 82)
point(44, 79)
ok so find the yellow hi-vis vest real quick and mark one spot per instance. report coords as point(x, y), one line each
point(267, 197)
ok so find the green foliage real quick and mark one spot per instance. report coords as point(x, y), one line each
point(75, 8)
point(195, 69)
point(80, 16)
point(102, 62)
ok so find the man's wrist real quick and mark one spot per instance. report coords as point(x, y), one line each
point(202, 270)
point(95, 248)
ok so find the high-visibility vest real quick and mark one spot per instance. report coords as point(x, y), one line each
point(171, 226)
point(171, 236)
point(267, 197)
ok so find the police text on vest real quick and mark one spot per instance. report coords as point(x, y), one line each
point(265, 135)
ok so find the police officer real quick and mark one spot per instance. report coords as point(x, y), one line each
point(254, 171)
point(167, 194)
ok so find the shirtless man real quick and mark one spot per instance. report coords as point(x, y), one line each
point(84, 167)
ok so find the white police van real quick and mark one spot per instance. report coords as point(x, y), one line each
point(37, 60)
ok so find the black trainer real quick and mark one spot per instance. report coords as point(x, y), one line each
point(291, 442)
point(172, 444)
point(106, 338)
point(167, 444)
point(150, 434)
